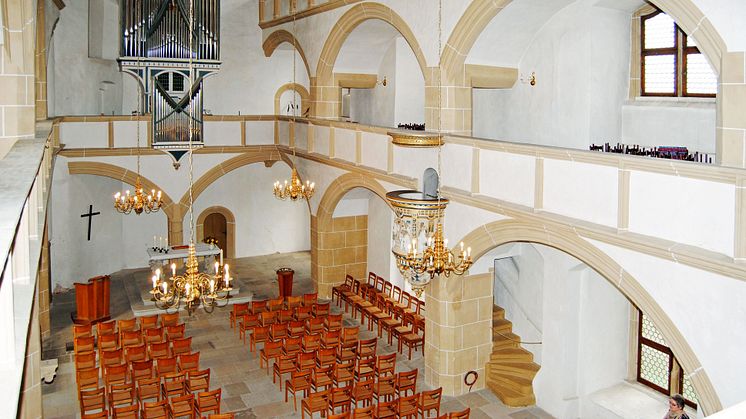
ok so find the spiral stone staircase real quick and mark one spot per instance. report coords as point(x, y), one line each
point(510, 370)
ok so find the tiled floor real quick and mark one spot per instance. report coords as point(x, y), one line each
point(247, 389)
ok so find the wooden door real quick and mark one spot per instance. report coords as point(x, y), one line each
point(217, 226)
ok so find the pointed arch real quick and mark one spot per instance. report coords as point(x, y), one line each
point(491, 235)
point(276, 38)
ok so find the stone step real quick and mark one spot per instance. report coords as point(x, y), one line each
point(511, 354)
point(502, 325)
point(515, 368)
point(511, 397)
point(498, 312)
point(505, 340)
point(519, 384)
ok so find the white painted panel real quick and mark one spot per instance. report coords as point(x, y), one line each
point(687, 124)
point(283, 132)
point(321, 140)
point(507, 176)
point(219, 133)
point(690, 211)
point(125, 134)
point(301, 136)
point(344, 144)
point(375, 150)
point(581, 190)
point(84, 134)
point(412, 162)
point(456, 165)
point(260, 132)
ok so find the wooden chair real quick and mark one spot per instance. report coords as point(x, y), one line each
point(84, 344)
point(127, 325)
point(365, 368)
point(115, 374)
point(320, 309)
point(148, 388)
point(271, 351)
point(110, 358)
point(174, 385)
point(338, 289)
point(107, 342)
point(237, 312)
point(155, 410)
point(380, 284)
point(130, 338)
point(343, 415)
point(198, 381)
point(310, 299)
point(86, 378)
point(121, 395)
point(247, 324)
point(331, 338)
point(181, 346)
point(343, 374)
point(183, 406)
point(285, 316)
point(296, 328)
point(305, 361)
point(278, 331)
point(340, 398)
point(105, 328)
point(267, 318)
point(175, 331)
point(315, 325)
point(363, 392)
point(285, 364)
point(384, 389)
point(259, 335)
point(141, 369)
point(170, 319)
point(82, 331)
point(165, 366)
point(378, 315)
point(160, 350)
point(350, 334)
point(127, 412)
point(333, 322)
point(136, 353)
point(406, 381)
point(222, 416)
point(321, 378)
point(429, 400)
point(208, 401)
point(386, 410)
point(85, 360)
point(367, 348)
point(413, 339)
point(302, 313)
point(386, 364)
point(299, 381)
point(292, 302)
point(258, 306)
point(407, 407)
point(464, 414)
point(153, 335)
point(347, 352)
point(92, 400)
point(291, 346)
point(390, 323)
point(311, 343)
point(326, 357)
point(315, 402)
point(98, 415)
point(352, 294)
point(275, 304)
point(189, 362)
point(148, 322)
point(364, 412)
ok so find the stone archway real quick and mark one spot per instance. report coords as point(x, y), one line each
point(326, 238)
point(276, 38)
point(298, 88)
point(230, 221)
point(491, 235)
point(325, 94)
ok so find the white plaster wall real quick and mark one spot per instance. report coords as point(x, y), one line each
point(264, 224)
point(410, 86)
point(581, 60)
point(80, 77)
point(377, 106)
point(688, 124)
point(380, 258)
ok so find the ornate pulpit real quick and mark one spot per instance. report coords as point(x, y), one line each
point(92, 300)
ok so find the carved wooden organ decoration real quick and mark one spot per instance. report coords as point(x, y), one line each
point(156, 49)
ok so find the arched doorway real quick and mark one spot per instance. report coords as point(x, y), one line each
point(219, 223)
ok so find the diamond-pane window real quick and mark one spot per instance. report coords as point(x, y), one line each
point(654, 366)
point(687, 390)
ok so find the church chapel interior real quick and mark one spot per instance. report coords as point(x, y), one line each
point(372, 209)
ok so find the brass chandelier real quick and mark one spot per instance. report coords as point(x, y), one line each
point(295, 189)
point(436, 258)
point(193, 288)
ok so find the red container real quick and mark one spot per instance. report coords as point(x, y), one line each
point(285, 281)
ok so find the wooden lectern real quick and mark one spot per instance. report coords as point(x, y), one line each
point(92, 301)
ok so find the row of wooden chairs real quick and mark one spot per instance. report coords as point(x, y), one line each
point(370, 413)
point(304, 335)
point(380, 286)
point(171, 336)
point(264, 318)
point(297, 326)
point(118, 326)
point(180, 349)
point(276, 304)
point(125, 404)
point(329, 400)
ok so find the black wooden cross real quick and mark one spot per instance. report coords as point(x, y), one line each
point(90, 218)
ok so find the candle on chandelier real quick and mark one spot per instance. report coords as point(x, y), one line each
point(158, 273)
point(154, 241)
point(173, 269)
point(212, 286)
point(165, 287)
point(155, 281)
point(221, 256)
point(227, 275)
point(217, 265)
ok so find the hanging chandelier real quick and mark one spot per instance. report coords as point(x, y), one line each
point(138, 202)
point(295, 189)
point(193, 288)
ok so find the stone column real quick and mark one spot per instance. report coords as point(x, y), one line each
point(40, 63)
point(731, 101)
point(339, 251)
point(454, 101)
point(458, 331)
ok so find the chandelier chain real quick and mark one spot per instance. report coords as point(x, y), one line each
point(192, 227)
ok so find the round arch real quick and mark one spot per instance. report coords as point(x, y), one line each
point(276, 38)
point(348, 22)
point(337, 189)
point(480, 13)
point(230, 220)
point(489, 236)
point(299, 88)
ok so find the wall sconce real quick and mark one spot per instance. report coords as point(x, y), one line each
point(529, 79)
point(382, 82)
